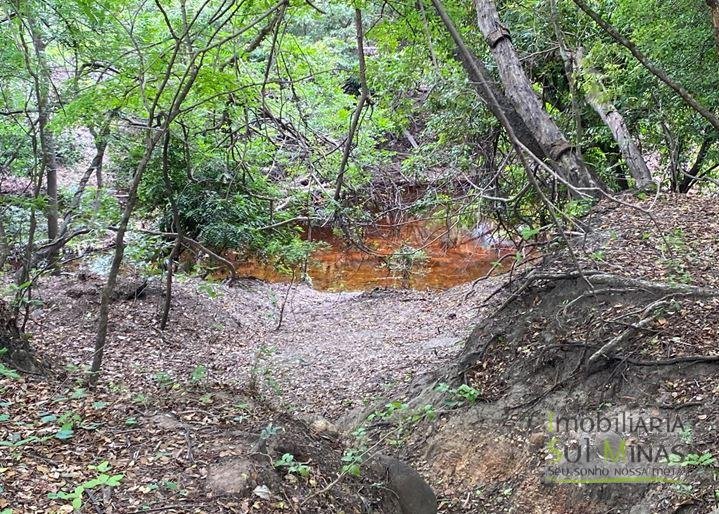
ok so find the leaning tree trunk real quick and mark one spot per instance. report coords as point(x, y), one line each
point(523, 133)
point(519, 90)
point(487, 89)
point(597, 98)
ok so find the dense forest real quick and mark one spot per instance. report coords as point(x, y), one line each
point(318, 256)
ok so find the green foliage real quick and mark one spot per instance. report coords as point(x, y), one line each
point(705, 459)
point(464, 394)
point(103, 479)
point(288, 462)
point(406, 260)
point(352, 460)
point(163, 379)
point(6, 371)
point(198, 374)
point(270, 431)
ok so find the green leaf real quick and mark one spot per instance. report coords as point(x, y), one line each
point(103, 466)
point(8, 373)
point(66, 432)
point(48, 418)
point(78, 393)
point(170, 486)
point(352, 469)
point(115, 480)
point(199, 373)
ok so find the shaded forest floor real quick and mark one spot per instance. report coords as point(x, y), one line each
point(333, 353)
point(175, 404)
point(195, 418)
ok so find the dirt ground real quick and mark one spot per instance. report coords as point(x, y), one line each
point(332, 353)
point(178, 408)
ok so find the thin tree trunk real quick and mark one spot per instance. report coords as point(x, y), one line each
point(4, 246)
point(22, 277)
point(101, 140)
point(364, 96)
point(597, 98)
point(47, 141)
point(525, 101)
point(174, 254)
point(714, 14)
point(95, 165)
point(428, 36)
point(690, 177)
point(39, 71)
point(654, 70)
point(107, 291)
point(570, 74)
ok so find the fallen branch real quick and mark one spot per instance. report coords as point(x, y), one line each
point(616, 341)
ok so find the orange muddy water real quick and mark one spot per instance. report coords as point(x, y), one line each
point(341, 267)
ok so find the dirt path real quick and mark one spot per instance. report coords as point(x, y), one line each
point(333, 353)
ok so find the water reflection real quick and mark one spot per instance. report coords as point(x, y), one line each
point(451, 260)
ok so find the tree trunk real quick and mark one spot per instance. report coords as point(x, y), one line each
point(714, 14)
point(519, 90)
point(14, 348)
point(596, 96)
point(47, 141)
point(175, 253)
point(361, 101)
point(520, 128)
point(659, 73)
point(690, 177)
point(101, 336)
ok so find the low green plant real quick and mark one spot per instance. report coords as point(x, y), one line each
point(686, 435)
point(198, 374)
point(405, 261)
point(170, 485)
point(352, 462)
point(389, 410)
point(5, 371)
point(209, 289)
point(261, 371)
point(425, 413)
point(459, 396)
point(269, 431)
point(598, 256)
point(103, 479)
point(288, 462)
point(705, 459)
point(163, 379)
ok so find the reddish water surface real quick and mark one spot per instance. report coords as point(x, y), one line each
point(342, 267)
